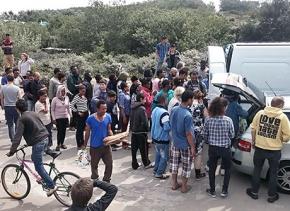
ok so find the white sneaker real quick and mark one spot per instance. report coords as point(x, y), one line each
point(222, 172)
point(149, 166)
point(51, 191)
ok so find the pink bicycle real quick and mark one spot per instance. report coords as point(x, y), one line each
point(17, 184)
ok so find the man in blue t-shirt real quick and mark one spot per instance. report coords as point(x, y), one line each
point(98, 128)
point(183, 146)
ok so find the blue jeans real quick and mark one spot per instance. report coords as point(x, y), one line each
point(161, 158)
point(11, 116)
point(30, 105)
point(93, 106)
point(37, 153)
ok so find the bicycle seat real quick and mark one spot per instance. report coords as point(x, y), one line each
point(53, 154)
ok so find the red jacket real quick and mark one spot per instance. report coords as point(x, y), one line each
point(149, 99)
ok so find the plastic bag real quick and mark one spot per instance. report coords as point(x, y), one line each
point(83, 158)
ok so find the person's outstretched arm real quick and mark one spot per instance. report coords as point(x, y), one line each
point(103, 203)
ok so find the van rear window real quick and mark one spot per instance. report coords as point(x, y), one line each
point(276, 74)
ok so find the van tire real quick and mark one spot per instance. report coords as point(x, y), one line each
point(283, 176)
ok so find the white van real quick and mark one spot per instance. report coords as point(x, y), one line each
point(266, 65)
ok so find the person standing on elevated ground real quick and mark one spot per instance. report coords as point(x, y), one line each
point(7, 47)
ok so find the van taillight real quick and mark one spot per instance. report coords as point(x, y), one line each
point(244, 146)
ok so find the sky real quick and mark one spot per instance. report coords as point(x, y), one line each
point(19, 5)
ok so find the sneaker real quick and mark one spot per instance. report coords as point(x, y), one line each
point(274, 198)
point(149, 166)
point(136, 166)
point(57, 148)
point(200, 176)
point(224, 194)
point(252, 194)
point(211, 193)
point(63, 146)
point(162, 177)
point(51, 191)
point(222, 172)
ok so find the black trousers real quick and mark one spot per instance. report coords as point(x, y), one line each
point(139, 141)
point(49, 128)
point(215, 153)
point(73, 120)
point(61, 125)
point(81, 124)
point(273, 157)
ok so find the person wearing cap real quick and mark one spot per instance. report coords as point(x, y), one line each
point(24, 64)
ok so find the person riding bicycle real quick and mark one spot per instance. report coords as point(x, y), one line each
point(36, 135)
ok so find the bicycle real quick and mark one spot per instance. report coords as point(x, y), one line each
point(17, 184)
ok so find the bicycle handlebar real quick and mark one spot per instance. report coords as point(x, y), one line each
point(21, 148)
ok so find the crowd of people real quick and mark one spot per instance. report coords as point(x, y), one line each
point(169, 103)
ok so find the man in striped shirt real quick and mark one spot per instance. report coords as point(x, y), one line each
point(79, 106)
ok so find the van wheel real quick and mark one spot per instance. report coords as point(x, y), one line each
point(283, 177)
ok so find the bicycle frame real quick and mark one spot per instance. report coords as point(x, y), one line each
point(24, 165)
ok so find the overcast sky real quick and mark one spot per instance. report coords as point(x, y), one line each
point(18, 5)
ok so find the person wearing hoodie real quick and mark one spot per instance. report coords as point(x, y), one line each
point(139, 127)
point(270, 129)
point(60, 113)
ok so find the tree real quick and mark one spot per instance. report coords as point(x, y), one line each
point(273, 25)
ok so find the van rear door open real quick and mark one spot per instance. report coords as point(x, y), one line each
point(217, 64)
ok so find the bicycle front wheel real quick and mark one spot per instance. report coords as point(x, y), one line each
point(64, 182)
point(15, 181)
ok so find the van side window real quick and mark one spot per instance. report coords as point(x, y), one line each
point(229, 57)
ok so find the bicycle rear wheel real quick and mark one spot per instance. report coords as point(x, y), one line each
point(64, 181)
point(15, 181)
